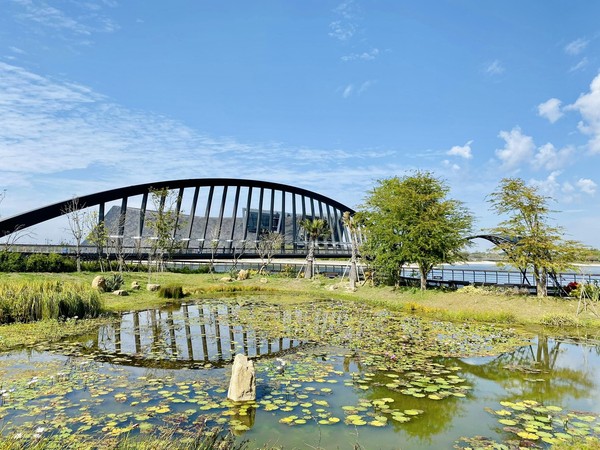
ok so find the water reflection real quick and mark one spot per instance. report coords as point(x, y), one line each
point(193, 335)
point(316, 388)
point(548, 370)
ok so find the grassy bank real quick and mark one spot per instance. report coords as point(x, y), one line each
point(473, 305)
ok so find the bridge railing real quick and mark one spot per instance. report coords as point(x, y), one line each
point(224, 249)
point(496, 277)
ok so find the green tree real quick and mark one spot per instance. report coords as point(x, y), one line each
point(411, 220)
point(532, 242)
point(315, 229)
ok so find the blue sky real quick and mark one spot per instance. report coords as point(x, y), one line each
point(325, 95)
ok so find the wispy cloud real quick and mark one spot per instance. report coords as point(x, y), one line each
point(351, 89)
point(82, 19)
point(494, 68)
point(59, 139)
point(576, 47)
point(580, 65)
point(364, 56)
point(344, 26)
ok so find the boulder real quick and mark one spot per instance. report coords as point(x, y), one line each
point(152, 287)
point(135, 285)
point(243, 275)
point(99, 283)
point(242, 386)
point(121, 292)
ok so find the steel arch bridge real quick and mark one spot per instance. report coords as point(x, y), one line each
point(222, 213)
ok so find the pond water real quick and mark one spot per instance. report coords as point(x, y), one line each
point(170, 368)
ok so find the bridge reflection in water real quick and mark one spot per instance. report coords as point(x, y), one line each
point(196, 335)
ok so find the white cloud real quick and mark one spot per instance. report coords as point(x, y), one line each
point(462, 151)
point(553, 188)
point(576, 47)
point(366, 85)
point(351, 89)
point(580, 65)
point(587, 186)
point(17, 50)
point(547, 157)
point(60, 139)
point(341, 31)
point(82, 21)
point(588, 105)
point(347, 92)
point(451, 166)
point(344, 27)
point(518, 148)
point(565, 192)
point(495, 68)
point(550, 110)
point(364, 56)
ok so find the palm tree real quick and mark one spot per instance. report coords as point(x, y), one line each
point(314, 229)
point(350, 223)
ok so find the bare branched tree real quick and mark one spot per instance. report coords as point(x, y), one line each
point(268, 243)
point(165, 223)
point(77, 220)
point(97, 236)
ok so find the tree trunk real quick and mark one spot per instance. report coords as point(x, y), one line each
point(309, 260)
point(423, 272)
point(353, 275)
point(541, 282)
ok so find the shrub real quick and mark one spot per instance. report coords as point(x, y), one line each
point(558, 320)
point(289, 271)
point(11, 262)
point(172, 291)
point(114, 282)
point(188, 270)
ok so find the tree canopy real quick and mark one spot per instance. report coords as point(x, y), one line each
point(411, 220)
point(531, 239)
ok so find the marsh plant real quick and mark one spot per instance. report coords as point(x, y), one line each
point(172, 291)
point(37, 300)
point(114, 282)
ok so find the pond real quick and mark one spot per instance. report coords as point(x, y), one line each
point(329, 375)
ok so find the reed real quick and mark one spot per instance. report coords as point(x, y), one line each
point(48, 299)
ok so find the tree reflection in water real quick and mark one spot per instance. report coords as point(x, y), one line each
point(537, 372)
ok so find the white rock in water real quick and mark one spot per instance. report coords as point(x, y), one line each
point(242, 386)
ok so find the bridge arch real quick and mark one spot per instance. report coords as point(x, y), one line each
point(227, 210)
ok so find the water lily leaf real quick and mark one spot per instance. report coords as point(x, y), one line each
point(377, 423)
point(528, 435)
point(509, 422)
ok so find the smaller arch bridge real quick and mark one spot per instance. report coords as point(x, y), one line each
point(226, 214)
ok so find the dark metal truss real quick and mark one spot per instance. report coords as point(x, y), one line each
point(293, 205)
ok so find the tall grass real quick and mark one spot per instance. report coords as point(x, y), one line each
point(31, 301)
